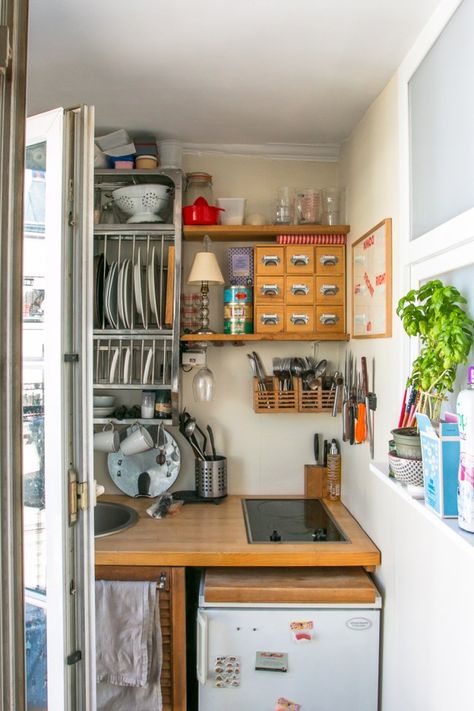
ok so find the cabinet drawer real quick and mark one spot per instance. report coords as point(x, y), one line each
point(269, 319)
point(299, 289)
point(329, 319)
point(330, 289)
point(329, 260)
point(268, 291)
point(269, 260)
point(299, 318)
point(299, 259)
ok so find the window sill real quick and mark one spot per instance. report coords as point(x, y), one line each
point(449, 526)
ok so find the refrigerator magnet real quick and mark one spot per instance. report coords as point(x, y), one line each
point(284, 705)
point(302, 631)
point(272, 661)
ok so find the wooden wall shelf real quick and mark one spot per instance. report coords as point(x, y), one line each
point(221, 338)
point(251, 233)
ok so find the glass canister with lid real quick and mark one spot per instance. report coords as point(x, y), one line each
point(198, 185)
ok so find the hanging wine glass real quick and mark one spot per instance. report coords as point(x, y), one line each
point(203, 385)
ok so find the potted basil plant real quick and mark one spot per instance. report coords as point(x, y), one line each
point(434, 313)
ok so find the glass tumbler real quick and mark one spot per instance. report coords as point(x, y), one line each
point(284, 207)
point(331, 206)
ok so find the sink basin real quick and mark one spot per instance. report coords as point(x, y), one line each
point(111, 518)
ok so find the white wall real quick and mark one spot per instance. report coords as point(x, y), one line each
point(266, 453)
point(426, 574)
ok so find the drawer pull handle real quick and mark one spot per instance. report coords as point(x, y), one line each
point(329, 289)
point(299, 319)
point(269, 319)
point(300, 289)
point(299, 259)
point(271, 260)
point(270, 289)
point(329, 260)
point(329, 319)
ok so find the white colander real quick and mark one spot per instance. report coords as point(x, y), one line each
point(144, 203)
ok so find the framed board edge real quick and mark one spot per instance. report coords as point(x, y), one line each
point(387, 222)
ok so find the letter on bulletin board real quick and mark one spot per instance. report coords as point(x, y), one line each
point(372, 283)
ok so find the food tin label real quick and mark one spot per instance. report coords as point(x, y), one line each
point(238, 295)
point(238, 311)
point(236, 326)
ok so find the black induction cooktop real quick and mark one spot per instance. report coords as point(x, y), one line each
point(290, 521)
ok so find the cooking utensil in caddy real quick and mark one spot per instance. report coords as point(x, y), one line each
point(210, 469)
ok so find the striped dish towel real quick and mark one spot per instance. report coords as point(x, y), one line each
point(311, 239)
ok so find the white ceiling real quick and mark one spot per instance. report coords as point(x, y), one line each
point(220, 71)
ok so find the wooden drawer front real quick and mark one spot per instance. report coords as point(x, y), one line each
point(299, 318)
point(299, 259)
point(299, 289)
point(329, 290)
point(330, 260)
point(269, 260)
point(329, 319)
point(269, 319)
point(268, 291)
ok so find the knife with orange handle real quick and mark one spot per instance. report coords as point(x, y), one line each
point(361, 426)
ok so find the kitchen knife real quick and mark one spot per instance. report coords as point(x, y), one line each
point(316, 447)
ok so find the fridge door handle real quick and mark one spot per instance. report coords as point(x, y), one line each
point(201, 661)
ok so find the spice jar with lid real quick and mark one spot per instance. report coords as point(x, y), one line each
point(198, 185)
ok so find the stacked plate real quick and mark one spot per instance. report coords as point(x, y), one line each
point(128, 293)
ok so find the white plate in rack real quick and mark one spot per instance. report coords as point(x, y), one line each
point(111, 301)
point(146, 369)
point(139, 287)
point(113, 365)
point(151, 278)
point(126, 364)
point(127, 295)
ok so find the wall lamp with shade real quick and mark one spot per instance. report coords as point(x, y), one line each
point(205, 271)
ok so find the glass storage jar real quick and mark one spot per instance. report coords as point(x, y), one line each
point(198, 185)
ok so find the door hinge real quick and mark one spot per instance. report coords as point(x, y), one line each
point(5, 49)
point(71, 357)
point(74, 657)
point(78, 496)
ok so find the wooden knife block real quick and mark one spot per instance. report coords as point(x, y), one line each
point(315, 481)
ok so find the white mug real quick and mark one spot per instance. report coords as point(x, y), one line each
point(108, 440)
point(138, 440)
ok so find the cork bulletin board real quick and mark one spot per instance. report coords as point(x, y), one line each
point(372, 283)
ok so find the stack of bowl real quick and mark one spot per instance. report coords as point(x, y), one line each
point(404, 456)
point(103, 405)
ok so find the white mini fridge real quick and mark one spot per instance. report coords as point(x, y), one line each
point(268, 656)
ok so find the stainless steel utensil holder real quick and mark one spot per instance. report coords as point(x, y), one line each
point(211, 477)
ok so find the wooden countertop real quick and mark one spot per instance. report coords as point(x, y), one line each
point(214, 535)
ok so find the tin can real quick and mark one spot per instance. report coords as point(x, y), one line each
point(238, 309)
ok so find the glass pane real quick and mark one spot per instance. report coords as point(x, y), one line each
point(441, 105)
point(33, 426)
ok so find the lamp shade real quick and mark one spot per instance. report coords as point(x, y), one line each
point(205, 268)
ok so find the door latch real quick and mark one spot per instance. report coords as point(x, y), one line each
point(78, 496)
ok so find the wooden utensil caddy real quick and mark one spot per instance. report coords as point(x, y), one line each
point(274, 400)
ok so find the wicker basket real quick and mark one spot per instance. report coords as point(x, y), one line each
point(319, 400)
point(272, 399)
point(407, 471)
